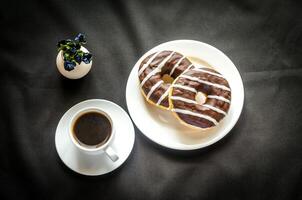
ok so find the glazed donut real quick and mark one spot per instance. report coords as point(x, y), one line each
point(200, 97)
point(152, 70)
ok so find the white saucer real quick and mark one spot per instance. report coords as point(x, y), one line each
point(95, 164)
point(161, 126)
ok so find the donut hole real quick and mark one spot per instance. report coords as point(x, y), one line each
point(167, 79)
point(200, 98)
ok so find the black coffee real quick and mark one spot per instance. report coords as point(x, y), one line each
point(92, 128)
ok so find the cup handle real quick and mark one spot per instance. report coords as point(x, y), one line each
point(111, 154)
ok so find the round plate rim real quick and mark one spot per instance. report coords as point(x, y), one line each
point(83, 102)
point(185, 147)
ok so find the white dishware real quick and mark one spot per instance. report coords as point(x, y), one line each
point(161, 126)
point(96, 150)
point(79, 71)
point(95, 161)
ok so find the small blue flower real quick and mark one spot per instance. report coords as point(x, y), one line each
point(78, 58)
point(80, 38)
point(72, 50)
point(69, 65)
point(87, 58)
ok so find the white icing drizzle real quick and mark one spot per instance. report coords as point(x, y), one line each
point(199, 65)
point(157, 69)
point(177, 64)
point(187, 112)
point(215, 109)
point(148, 63)
point(154, 88)
point(163, 96)
point(219, 98)
point(185, 87)
point(206, 82)
point(183, 99)
point(194, 102)
point(187, 69)
point(208, 72)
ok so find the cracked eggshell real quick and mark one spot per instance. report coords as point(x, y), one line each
point(79, 71)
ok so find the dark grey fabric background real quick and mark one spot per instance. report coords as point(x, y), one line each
point(260, 159)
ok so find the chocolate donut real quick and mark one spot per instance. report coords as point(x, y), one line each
point(151, 72)
point(200, 97)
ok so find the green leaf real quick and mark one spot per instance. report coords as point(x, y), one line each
point(80, 53)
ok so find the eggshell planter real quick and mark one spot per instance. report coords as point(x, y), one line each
point(79, 71)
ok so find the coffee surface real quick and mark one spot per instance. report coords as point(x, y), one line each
point(92, 128)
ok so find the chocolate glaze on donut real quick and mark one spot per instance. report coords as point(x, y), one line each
point(153, 68)
point(209, 82)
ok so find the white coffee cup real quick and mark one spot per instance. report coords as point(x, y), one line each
point(102, 148)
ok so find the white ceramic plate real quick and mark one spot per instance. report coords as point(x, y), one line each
point(93, 165)
point(161, 126)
